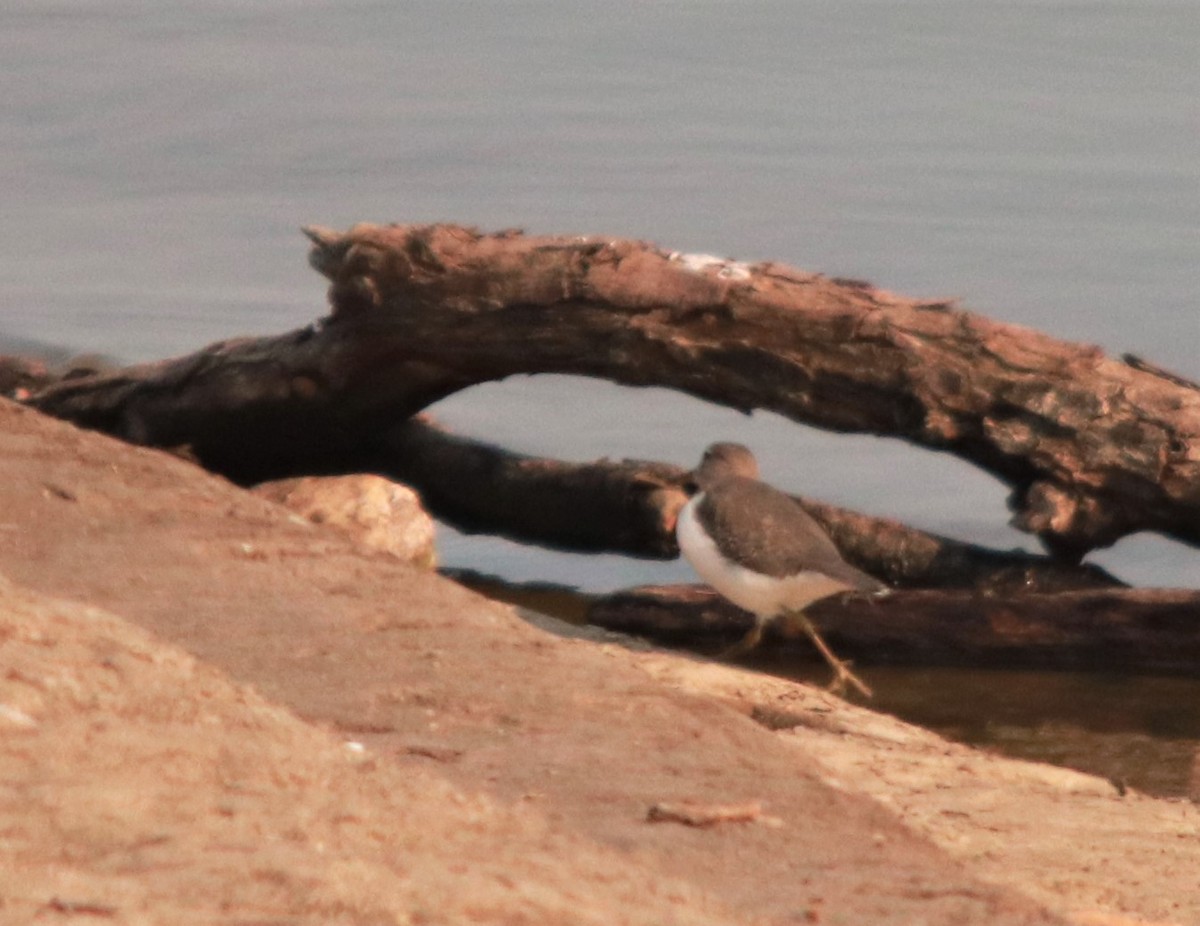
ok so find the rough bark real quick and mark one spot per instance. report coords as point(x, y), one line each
point(1094, 448)
point(626, 506)
point(1143, 630)
point(630, 506)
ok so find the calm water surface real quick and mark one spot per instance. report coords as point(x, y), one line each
point(1039, 160)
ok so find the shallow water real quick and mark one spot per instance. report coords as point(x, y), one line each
point(1142, 733)
point(1037, 159)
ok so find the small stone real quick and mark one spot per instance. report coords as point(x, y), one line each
point(378, 513)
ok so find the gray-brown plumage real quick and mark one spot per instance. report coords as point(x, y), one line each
point(761, 528)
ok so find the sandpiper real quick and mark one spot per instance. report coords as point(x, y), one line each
point(762, 551)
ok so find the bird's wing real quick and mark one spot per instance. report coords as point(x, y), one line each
point(785, 540)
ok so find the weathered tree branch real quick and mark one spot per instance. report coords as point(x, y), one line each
point(629, 506)
point(1093, 447)
point(1131, 630)
point(626, 506)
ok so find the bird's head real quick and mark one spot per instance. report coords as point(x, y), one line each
point(723, 460)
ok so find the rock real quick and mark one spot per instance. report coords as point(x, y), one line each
point(380, 514)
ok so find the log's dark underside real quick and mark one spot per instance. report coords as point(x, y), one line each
point(1093, 448)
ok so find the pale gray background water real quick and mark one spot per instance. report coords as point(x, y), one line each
point(1040, 160)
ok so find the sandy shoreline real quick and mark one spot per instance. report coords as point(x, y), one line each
point(186, 664)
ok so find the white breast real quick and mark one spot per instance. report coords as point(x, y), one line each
point(760, 594)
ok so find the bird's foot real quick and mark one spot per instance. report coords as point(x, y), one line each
point(842, 676)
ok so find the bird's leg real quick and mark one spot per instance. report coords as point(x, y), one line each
point(752, 638)
point(841, 670)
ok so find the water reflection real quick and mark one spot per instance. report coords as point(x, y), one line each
point(1143, 732)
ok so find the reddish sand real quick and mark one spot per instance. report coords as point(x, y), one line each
point(215, 711)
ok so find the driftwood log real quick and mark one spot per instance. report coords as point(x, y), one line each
point(1093, 448)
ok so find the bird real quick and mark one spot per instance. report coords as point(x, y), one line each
point(759, 549)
